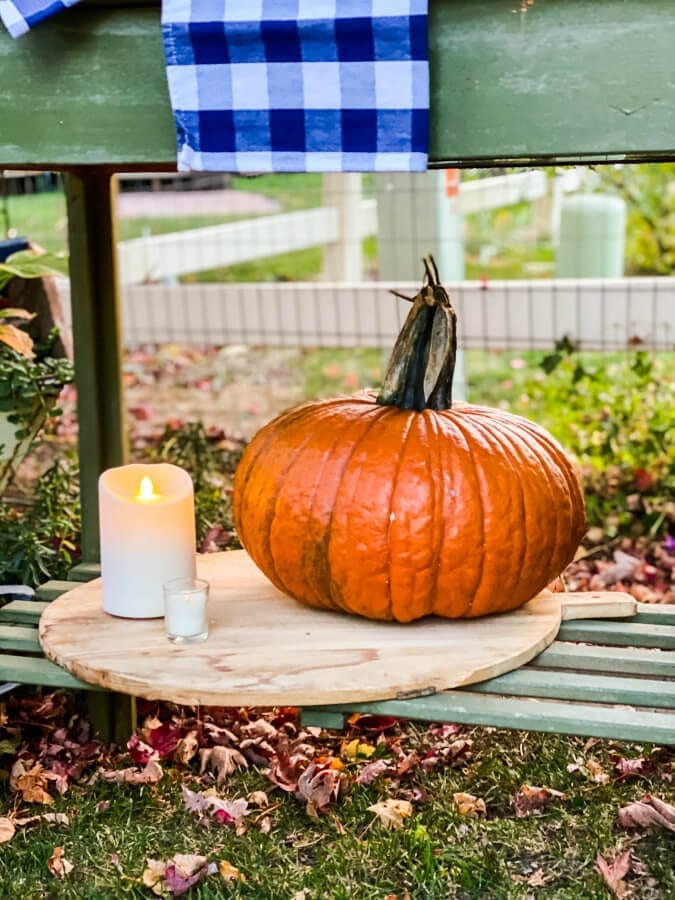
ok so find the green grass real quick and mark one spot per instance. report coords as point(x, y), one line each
point(438, 854)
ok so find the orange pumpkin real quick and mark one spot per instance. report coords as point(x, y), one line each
point(400, 506)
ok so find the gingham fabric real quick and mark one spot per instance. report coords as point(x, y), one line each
point(298, 85)
point(19, 16)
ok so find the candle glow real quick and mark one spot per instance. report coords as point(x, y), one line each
point(146, 491)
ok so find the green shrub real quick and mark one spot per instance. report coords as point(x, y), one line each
point(617, 421)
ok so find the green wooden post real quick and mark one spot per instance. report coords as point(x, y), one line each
point(94, 294)
point(95, 302)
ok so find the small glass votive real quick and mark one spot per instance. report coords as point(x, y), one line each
point(186, 610)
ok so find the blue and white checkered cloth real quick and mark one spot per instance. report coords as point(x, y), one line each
point(298, 85)
point(19, 16)
point(289, 85)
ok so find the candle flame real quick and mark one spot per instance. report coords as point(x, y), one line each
point(147, 489)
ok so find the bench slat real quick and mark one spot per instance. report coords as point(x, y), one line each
point(50, 590)
point(625, 634)
point(655, 614)
point(618, 660)
point(38, 670)
point(580, 686)
point(551, 716)
point(19, 637)
point(22, 612)
point(84, 572)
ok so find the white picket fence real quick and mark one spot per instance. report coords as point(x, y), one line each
point(168, 256)
point(513, 315)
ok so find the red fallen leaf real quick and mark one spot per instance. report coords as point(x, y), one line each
point(374, 724)
point(411, 761)
point(164, 739)
point(444, 731)
point(613, 872)
point(373, 770)
point(183, 870)
point(649, 812)
point(286, 769)
point(140, 752)
point(630, 768)
point(643, 479)
point(143, 412)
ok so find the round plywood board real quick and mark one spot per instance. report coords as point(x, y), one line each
point(266, 649)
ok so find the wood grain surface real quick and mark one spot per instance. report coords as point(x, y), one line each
point(266, 649)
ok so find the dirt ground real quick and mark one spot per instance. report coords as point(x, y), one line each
point(237, 388)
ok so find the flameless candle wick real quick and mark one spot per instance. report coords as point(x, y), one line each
point(147, 490)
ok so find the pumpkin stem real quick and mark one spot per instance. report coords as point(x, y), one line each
point(422, 363)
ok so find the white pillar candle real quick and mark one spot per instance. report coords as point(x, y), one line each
point(147, 524)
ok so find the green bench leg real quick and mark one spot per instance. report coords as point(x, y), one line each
point(112, 716)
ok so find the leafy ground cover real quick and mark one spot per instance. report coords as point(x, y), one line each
point(248, 803)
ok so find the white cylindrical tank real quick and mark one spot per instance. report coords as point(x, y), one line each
point(592, 237)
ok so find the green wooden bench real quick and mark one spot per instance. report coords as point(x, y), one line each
point(503, 92)
point(613, 679)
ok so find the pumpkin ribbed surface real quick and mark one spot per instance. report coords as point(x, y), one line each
point(399, 514)
point(401, 506)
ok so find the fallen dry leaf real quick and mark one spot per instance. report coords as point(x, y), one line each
point(532, 801)
point(30, 783)
point(259, 798)
point(58, 865)
point(185, 866)
point(391, 813)
point(630, 768)
point(350, 750)
point(591, 768)
point(222, 761)
point(649, 812)
point(186, 748)
point(469, 805)
point(614, 872)
point(207, 803)
point(318, 787)
point(151, 774)
point(51, 818)
point(153, 876)
point(140, 752)
point(7, 830)
point(230, 872)
point(373, 770)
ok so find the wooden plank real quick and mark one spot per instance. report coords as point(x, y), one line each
point(576, 686)
point(19, 637)
point(92, 238)
point(503, 87)
point(655, 614)
point(551, 716)
point(552, 81)
point(618, 633)
point(22, 612)
point(94, 84)
point(50, 590)
point(620, 660)
point(85, 572)
point(37, 670)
